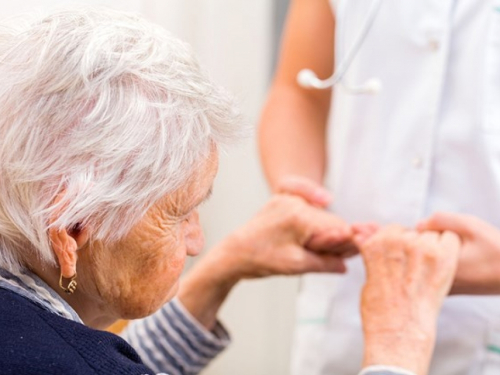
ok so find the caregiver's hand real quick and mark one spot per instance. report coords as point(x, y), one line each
point(272, 243)
point(307, 189)
point(318, 196)
point(408, 276)
point(479, 262)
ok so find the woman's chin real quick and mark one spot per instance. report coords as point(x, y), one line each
point(141, 308)
point(172, 292)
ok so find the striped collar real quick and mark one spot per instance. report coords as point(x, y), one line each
point(30, 286)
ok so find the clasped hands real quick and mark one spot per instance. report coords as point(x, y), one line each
point(293, 234)
point(473, 243)
point(409, 272)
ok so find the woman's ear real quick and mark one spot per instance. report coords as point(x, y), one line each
point(66, 242)
point(80, 234)
point(64, 247)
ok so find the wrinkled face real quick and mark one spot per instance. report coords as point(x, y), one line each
point(136, 275)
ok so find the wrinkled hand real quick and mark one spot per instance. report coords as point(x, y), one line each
point(479, 262)
point(408, 276)
point(288, 237)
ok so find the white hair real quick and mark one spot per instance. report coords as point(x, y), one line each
point(105, 107)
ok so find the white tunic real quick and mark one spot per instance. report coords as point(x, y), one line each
point(428, 141)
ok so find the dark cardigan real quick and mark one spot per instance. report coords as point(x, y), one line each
point(34, 341)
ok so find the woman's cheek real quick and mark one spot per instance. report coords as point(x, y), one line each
point(175, 260)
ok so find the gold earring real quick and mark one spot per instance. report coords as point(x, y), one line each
point(70, 289)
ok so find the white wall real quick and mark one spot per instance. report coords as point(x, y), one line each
point(234, 40)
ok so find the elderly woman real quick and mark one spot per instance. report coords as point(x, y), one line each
point(109, 136)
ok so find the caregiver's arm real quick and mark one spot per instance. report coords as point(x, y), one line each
point(272, 243)
point(292, 131)
point(479, 262)
point(408, 277)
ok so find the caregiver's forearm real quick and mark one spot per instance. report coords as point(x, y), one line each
point(292, 129)
point(208, 283)
point(292, 136)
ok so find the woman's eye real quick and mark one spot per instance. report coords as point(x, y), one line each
point(185, 218)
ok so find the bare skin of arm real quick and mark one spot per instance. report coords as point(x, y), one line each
point(292, 130)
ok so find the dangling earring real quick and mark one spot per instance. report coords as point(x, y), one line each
point(70, 289)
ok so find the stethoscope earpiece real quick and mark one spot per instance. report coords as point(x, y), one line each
point(373, 86)
point(308, 79)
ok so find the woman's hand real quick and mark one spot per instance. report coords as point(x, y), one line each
point(479, 262)
point(408, 276)
point(287, 237)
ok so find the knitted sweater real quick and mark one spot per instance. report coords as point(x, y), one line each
point(169, 341)
point(34, 341)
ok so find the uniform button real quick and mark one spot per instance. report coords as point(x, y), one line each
point(417, 162)
point(434, 44)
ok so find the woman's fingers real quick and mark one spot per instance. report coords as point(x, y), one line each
point(334, 242)
point(363, 231)
point(319, 262)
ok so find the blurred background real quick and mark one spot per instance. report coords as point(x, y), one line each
point(236, 41)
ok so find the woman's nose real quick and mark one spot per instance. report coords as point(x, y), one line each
point(193, 234)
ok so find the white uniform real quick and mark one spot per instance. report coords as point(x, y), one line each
point(429, 141)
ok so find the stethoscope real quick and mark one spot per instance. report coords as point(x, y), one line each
point(308, 79)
